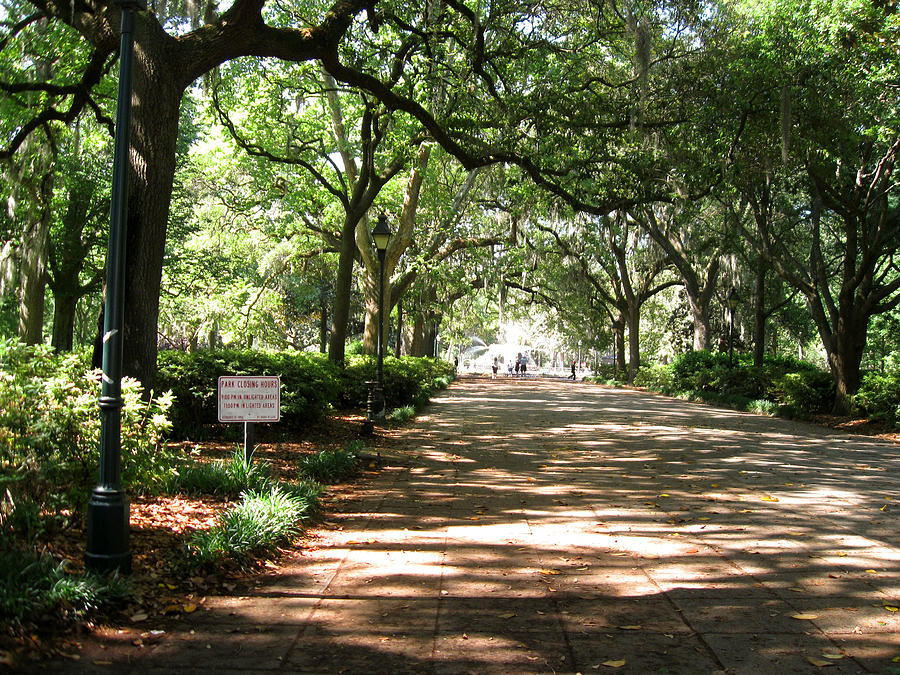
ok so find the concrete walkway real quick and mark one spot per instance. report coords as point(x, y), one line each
point(560, 527)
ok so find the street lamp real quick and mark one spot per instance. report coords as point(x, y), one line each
point(731, 300)
point(107, 511)
point(381, 234)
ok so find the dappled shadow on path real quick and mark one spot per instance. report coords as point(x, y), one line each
point(554, 527)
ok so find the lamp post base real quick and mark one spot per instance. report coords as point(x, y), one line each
point(108, 531)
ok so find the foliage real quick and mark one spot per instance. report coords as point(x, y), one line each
point(227, 477)
point(255, 527)
point(309, 384)
point(407, 380)
point(656, 377)
point(792, 386)
point(402, 414)
point(50, 430)
point(34, 585)
point(331, 466)
point(879, 395)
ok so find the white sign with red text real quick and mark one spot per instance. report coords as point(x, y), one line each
point(249, 398)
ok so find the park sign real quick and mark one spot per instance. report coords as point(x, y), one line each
point(249, 398)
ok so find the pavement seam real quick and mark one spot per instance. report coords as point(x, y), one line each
point(307, 622)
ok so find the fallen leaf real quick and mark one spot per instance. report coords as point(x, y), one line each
point(842, 554)
point(821, 663)
point(633, 627)
point(805, 617)
point(614, 664)
point(834, 656)
point(549, 571)
point(770, 499)
point(189, 608)
point(508, 616)
point(871, 571)
point(172, 609)
point(891, 608)
point(139, 616)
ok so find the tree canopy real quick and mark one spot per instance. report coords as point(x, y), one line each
point(610, 170)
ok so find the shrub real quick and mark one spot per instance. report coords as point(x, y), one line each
point(309, 384)
point(655, 377)
point(50, 434)
point(254, 527)
point(32, 585)
point(407, 381)
point(795, 387)
point(699, 371)
point(806, 391)
point(331, 466)
point(763, 407)
point(402, 414)
point(879, 396)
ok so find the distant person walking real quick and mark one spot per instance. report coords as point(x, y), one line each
point(524, 366)
point(509, 369)
point(518, 364)
point(494, 370)
point(573, 370)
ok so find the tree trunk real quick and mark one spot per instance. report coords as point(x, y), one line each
point(323, 324)
point(619, 343)
point(340, 313)
point(634, 343)
point(417, 344)
point(154, 132)
point(33, 256)
point(759, 315)
point(398, 349)
point(700, 316)
point(63, 321)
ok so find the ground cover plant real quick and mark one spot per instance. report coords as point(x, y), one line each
point(254, 527)
point(331, 466)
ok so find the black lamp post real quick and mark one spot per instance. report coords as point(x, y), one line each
point(381, 233)
point(731, 300)
point(107, 510)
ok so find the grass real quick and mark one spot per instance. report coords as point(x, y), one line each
point(227, 477)
point(332, 466)
point(402, 414)
point(255, 527)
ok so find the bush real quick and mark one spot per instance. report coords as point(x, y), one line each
point(254, 527)
point(655, 377)
point(32, 586)
point(762, 407)
point(807, 391)
point(309, 384)
point(879, 396)
point(407, 381)
point(402, 414)
point(50, 435)
point(331, 466)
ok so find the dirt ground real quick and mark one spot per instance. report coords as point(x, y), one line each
point(526, 526)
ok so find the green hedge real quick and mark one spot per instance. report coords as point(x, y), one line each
point(407, 380)
point(795, 386)
point(309, 384)
point(879, 396)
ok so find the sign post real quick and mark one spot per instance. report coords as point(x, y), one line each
point(249, 399)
